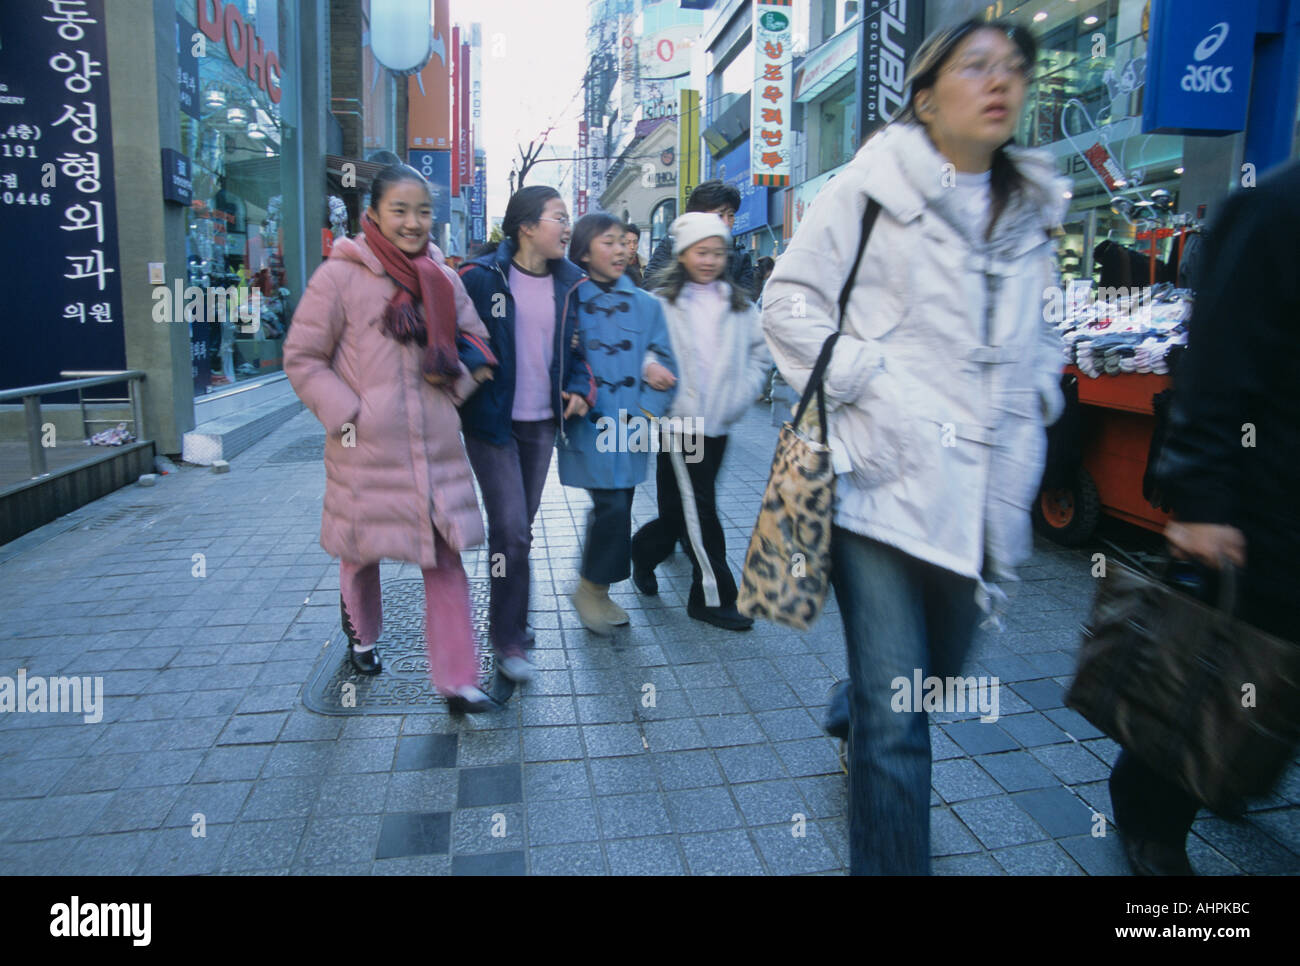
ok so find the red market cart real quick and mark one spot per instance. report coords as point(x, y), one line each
point(1117, 420)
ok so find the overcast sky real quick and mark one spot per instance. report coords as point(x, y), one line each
point(534, 57)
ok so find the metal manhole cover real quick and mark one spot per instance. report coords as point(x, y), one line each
point(102, 520)
point(308, 449)
point(404, 685)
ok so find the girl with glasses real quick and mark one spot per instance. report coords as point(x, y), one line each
point(940, 386)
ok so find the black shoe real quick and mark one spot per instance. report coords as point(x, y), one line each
point(1146, 857)
point(836, 722)
point(728, 618)
point(645, 580)
point(459, 705)
point(365, 662)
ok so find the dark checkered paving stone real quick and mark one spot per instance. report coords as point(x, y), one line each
point(306, 449)
point(404, 686)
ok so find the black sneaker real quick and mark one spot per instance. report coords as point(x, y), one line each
point(728, 618)
point(645, 580)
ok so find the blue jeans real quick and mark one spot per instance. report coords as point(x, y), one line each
point(899, 614)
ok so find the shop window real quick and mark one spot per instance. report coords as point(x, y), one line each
point(244, 185)
point(837, 139)
point(660, 219)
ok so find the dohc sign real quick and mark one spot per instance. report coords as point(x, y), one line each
point(1198, 66)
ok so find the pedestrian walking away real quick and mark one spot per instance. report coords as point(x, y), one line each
point(938, 390)
point(526, 293)
point(383, 346)
point(723, 363)
point(721, 199)
point(625, 338)
point(1230, 501)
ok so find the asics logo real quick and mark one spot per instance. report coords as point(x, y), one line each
point(1212, 42)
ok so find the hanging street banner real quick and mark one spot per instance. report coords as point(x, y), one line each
point(771, 142)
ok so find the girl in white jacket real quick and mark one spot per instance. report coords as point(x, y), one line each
point(938, 391)
point(722, 364)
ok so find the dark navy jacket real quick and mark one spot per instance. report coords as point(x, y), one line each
point(486, 414)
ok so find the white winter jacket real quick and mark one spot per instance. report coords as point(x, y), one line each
point(737, 376)
point(946, 373)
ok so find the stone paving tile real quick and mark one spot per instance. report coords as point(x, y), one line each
point(721, 853)
point(653, 855)
point(716, 769)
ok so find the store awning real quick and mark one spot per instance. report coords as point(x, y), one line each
point(827, 64)
point(364, 172)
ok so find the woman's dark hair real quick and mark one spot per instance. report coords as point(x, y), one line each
point(587, 230)
point(669, 280)
point(765, 265)
point(391, 175)
point(712, 195)
point(525, 208)
point(629, 226)
point(1005, 181)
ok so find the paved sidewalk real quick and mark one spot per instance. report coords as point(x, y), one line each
point(204, 729)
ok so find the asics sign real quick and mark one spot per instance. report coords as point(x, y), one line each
point(1208, 77)
point(1198, 66)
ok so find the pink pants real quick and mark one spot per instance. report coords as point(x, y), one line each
point(448, 632)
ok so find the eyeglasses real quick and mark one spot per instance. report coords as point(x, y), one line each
point(981, 68)
point(563, 222)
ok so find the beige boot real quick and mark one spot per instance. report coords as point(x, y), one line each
point(613, 613)
point(589, 600)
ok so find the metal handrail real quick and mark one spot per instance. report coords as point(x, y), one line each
point(31, 397)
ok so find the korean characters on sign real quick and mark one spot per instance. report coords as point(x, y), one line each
point(771, 141)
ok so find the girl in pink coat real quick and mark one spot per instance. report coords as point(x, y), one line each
point(384, 346)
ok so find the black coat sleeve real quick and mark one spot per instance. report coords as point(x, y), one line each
point(660, 260)
point(743, 272)
point(1221, 381)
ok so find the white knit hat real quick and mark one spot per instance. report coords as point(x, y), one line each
point(696, 226)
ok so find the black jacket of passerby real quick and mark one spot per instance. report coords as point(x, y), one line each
point(1232, 453)
point(740, 267)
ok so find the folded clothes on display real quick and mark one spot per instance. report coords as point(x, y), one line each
point(1128, 331)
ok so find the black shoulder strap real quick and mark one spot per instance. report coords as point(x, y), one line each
point(868, 220)
point(824, 357)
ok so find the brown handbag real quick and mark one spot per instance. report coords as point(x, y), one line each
point(787, 566)
point(1198, 695)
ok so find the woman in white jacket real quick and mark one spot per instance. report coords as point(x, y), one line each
point(939, 390)
point(722, 362)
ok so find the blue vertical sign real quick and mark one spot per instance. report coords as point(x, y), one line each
point(478, 211)
point(733, 168)
point(1198, 66)
point(63, 283)
point(436, 168)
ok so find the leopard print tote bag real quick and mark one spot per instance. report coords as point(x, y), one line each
point(787, 565)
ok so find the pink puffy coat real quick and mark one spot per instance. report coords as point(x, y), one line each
point(406, 472)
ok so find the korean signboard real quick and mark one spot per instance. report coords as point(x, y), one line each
point(429, 92)
point(63, 296)
point(770, 138)
point(1198, 66)
point(436, 168)
point(688, 146)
